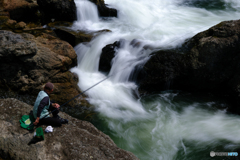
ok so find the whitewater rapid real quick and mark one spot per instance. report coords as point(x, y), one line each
point(160, 128)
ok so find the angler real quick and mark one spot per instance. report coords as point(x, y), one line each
point(43, 105)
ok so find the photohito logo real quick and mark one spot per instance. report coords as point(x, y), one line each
point(232, 153)
point(212, 153)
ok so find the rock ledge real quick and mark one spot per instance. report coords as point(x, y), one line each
point(76, 140)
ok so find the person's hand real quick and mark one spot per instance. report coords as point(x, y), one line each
point(36, 121)
point(55, 105)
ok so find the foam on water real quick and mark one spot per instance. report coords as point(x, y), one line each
point(174, 126)
point(162, 128)
point(87, 14)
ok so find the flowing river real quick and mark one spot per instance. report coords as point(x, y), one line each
point(166, 125)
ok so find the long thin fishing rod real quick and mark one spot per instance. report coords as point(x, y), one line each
point(85, 91)
point(95, 85)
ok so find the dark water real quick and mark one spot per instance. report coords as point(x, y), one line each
point(178, 110)
point(208, 4)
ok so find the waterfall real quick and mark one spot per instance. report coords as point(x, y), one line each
point(164, 125)
point(87, 13)
point(116, 93)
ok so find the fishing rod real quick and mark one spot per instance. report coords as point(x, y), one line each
point(95, 85)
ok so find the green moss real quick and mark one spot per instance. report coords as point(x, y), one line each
point(60, 23)
point(33, 25)
point(3, 20)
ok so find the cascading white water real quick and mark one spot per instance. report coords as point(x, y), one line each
point(116, 93)
point(87, 13)
point(159, 127)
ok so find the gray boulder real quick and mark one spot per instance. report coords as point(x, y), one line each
point(75, 140)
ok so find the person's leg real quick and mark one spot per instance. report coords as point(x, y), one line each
point(55, 111)
point(55, 115)
point(50, 121)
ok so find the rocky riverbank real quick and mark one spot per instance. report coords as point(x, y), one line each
point(75, 140)
point(32, 54)
point(28, 62)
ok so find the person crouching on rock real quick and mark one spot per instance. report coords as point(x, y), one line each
point(43, 105)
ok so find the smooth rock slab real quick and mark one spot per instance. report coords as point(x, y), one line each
point(75, 140)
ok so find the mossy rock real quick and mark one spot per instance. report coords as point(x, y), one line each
point(33, 25)
point(71, 36)
point(60, 23)
point(3, 20)
point(32, 28)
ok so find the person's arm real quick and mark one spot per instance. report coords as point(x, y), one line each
point(44, 102)
point(55, 105)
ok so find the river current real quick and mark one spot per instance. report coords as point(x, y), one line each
point(166, 125)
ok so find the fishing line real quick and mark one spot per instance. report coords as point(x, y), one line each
point(77, 96)
point(99, 83)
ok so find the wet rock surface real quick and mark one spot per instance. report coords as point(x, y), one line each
point(161, 70)
point(104, 10)
point(75, 140)
point(54, 10)
point(62, 30)
point(208, 62)
point(108, 53)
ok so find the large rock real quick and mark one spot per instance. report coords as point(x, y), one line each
point(73, 37)
point(214, 56)
point(75, 140)
point(64, 10)
point(103, 10)
point(161, 71)
point(20, 10)
point(108, 53)
point(28, 62)
point(43, 11)
point(208, 62)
